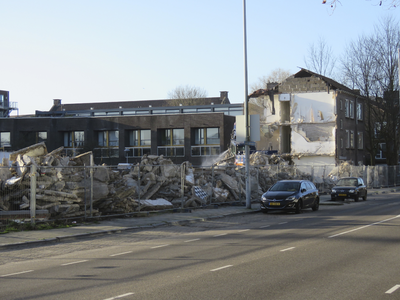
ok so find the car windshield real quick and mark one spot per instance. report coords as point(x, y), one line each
point(286, 186)
point(347, 182)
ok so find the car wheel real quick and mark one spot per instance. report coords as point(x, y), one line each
point(356, 198)
point(298, 207)
point(316, 205)
point(365, 197)
point(265, 211)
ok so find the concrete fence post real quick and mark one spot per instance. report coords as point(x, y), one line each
point(33, 194)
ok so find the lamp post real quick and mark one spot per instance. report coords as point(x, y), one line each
point(246, 108)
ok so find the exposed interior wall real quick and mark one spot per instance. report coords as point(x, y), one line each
point(316, 107)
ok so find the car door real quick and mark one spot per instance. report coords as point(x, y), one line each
point(362, 187)
point(306, 194)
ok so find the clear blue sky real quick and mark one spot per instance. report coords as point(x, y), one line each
point(119, 50)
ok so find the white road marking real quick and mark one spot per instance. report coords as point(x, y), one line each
point(243, 230)
point(220, 234)
point(393, 289)
point(287, 249)
point(74, 262)
point(224, 267)
point(188, 241)
point(122, 253)
point(159, 246)
point(12, 274)
point(362, 227)
point(265, 226)
point(282, 223)
point(120, 296)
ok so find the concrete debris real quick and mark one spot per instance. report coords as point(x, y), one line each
point(66, 186)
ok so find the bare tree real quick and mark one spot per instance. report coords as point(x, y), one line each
point(387, 3)
point(278, 75)
point(320, 58)
point(370, 65)
point(186, 95)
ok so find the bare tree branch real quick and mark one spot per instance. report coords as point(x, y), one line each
point(186, 95)
point(278, 75)
point(320, 58)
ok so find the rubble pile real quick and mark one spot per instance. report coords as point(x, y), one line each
point(66, 186)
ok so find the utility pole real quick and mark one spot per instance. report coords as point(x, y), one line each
point(246, 108)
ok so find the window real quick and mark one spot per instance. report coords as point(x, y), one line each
point(73, 139)
point(351, 139)
point(346, 108)
point(359, 111)
point(341, 143)
point(341, 104)
point(108, 142)
point(351, 109)
point(341, 123)
point(41, 136)
point(206, 141)
point(347, 138)
point(381, 154)
point(139, 143)
point(360, 140)
point(378, 129)
point(5, 139)
point(171, 142)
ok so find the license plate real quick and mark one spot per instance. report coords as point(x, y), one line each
point(274, 204)
point(342, 195)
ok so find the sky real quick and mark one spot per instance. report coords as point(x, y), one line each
point(126, 50)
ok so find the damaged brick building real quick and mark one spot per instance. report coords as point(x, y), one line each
point(312, 117)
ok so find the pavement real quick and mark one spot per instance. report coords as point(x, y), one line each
point(147, 220)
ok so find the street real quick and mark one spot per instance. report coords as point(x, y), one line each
point(348, 251)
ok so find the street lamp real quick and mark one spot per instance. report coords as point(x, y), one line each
point(246, 108)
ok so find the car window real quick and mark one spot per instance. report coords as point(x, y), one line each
point(310, 186)
point(286, 186)
point(360, 181)
point(304, 186)
point(347, 182)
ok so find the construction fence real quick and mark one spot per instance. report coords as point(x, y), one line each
point(85, 192)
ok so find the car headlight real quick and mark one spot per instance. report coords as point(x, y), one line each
point(291, 198)
point(351, 191)
point(264, 198)
point(333, 191)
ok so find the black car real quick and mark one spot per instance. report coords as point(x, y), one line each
point(349, 188)
point(290, 195)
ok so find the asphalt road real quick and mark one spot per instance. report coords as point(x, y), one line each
point(340, 252)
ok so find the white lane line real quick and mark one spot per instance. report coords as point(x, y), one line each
point(224, 267)
point(220, 234)
point(265, 226)
point(74, 262)
point(188, 241)
point(282, 223)
point(159, 246)
point(287, 249)
point(12, 274)
point(122, 253)
point(393, 289)
point(362, 227)
point(243, 230)
point(120, 296)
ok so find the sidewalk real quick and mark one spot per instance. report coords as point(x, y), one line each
point(42, 237)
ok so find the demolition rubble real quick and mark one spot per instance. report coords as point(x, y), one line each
point(69, 187)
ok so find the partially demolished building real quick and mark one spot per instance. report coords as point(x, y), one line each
point(314, 118)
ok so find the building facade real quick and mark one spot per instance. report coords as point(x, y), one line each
point(313, 118)
point(120, 132)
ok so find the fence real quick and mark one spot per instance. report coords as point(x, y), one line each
point(33, 193)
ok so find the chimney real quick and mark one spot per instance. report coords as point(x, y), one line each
point(224, 97)
point(56, 102)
